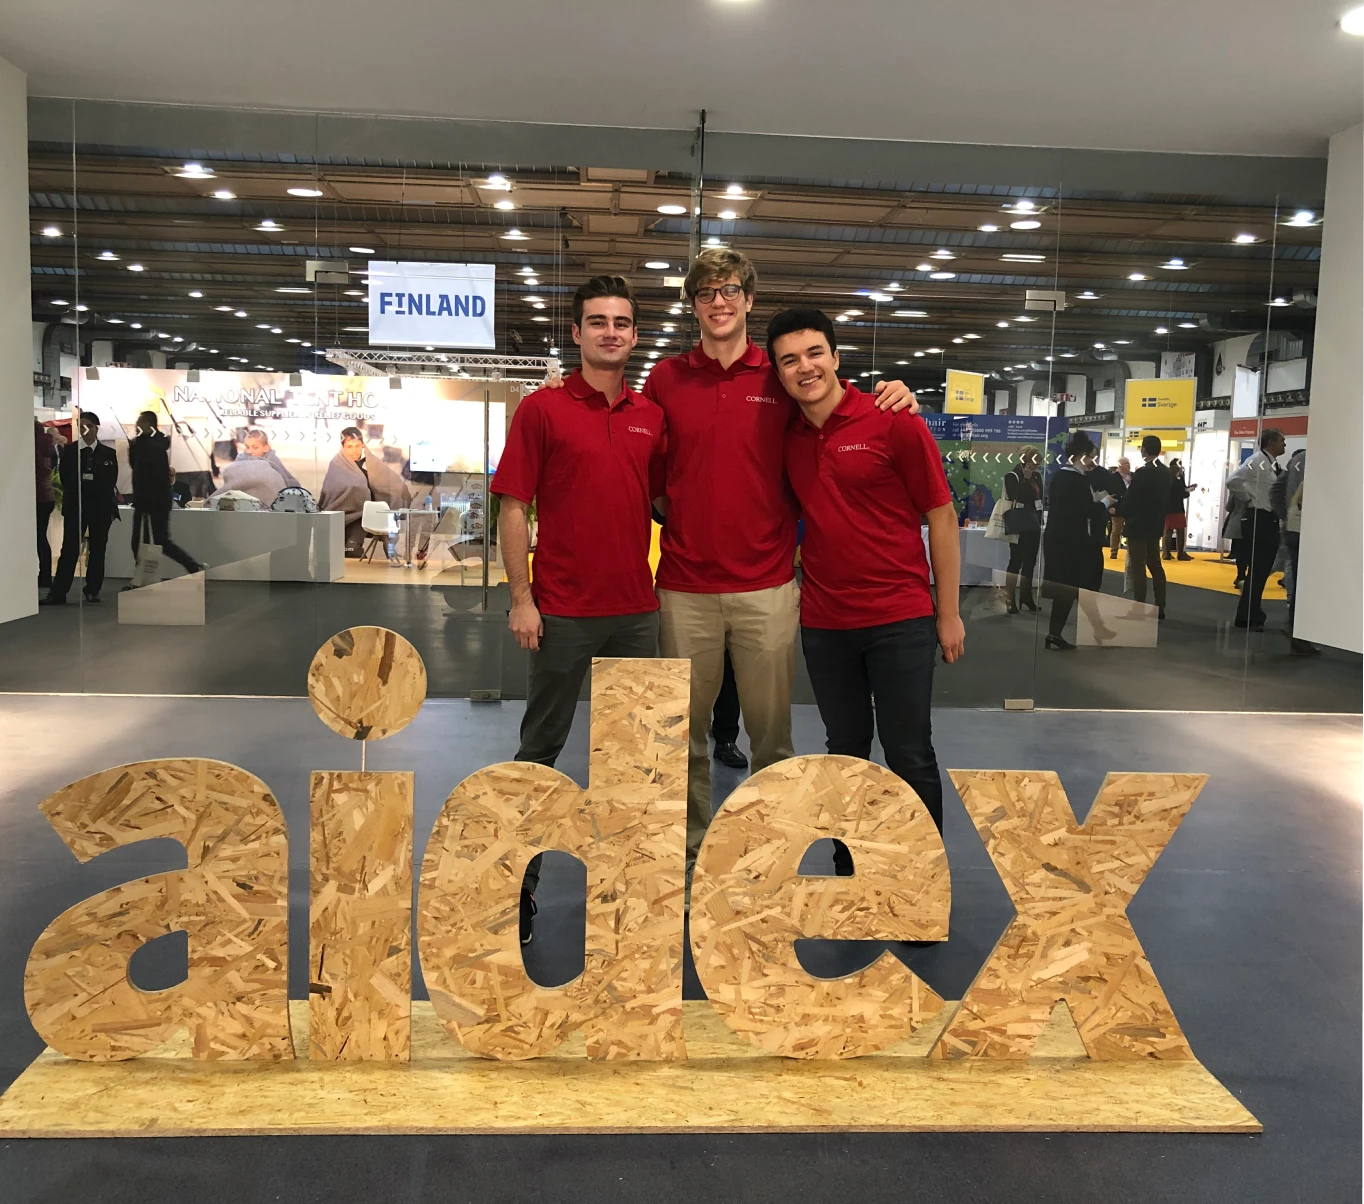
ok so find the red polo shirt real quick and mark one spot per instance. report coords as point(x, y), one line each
point(864, 481)
point(591, 467)
point(731, 526)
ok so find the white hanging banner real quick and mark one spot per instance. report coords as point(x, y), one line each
point(431, 304)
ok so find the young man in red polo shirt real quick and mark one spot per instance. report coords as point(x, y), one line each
point(865, 480)
point(590, 455)
point(727, 573)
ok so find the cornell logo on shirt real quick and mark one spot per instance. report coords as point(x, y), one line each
point(640, 430)
point(770, 401)
point(854, 447)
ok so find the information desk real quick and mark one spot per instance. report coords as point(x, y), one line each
point(245, 545)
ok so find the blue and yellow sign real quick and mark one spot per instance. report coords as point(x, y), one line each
point(1162, 403)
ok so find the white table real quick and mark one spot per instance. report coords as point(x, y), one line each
point(245, 545)
point(983, 561)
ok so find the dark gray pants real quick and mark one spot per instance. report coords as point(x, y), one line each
point(557, 671)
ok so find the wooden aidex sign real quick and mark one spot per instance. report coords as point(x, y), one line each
point(1070, 940)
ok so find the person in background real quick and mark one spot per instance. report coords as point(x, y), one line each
point(354, 478)
point(1252, 482)
point(724, 722)
point(44, 461)
point(181, 493)
point(255, 475)
point(1286, 498)
point(1144, 510)
point(1073, 542)
point(257, 445)
point(1023, 487)
point(590, 456)
point(1122, 482)
point(1176, 513)
point(866, 481)
point(1235, 509)
point(88, 471)
point(149, 459)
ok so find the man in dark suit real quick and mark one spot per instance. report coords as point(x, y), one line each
point(88, 471)
point(1143, 511)
point(149, 458)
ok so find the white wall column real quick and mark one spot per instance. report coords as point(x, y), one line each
point(19, 581)
point(1331, 561)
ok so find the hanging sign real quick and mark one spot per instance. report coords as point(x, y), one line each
point(431, 304)
point(965, 392)
point(1163, 403)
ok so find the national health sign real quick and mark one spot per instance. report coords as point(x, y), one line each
point(431, 304)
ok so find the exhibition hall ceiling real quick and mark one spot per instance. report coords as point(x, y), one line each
point(1257, 77)
point(210, 260)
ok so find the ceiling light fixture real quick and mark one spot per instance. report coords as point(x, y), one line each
point(970, 336)
point(1122, 342)
point(1001, 324)
point(728, 215)
point(1023, 206)
point(114, 321)
point(988, 228)
point(1088, 295)
point(1028, 224)
point(539, 318)
point(656, 265)
point(1188, 326)
point(107, 256)
point(1353, 22)
point(909, 313)
point(276, 330)
point(942, 275)
point(136, 267)
point(959, 340)
point(55, 301)
point(734, 190)
point(935, 351)
point(1098, 346)
point(918, 355)
point(853, 313)
point(924, 267)
point(195, 171)
point(304, 191)
point(224, 195)
point(239, 313)
point(532, 281)
point(288, 289)
point(362, 250)
point(1162, 330)
point(223, 309)
point(1021, 257)
point(270, 225)
point(712, 241)
point(1137, 276)
point(1245, 239)
point(880, 298)
point(672, 210)
point(894, 286)
point(52, 232)
point(515, 235)
point(942, 253)
point(1279, 302)
point(196, 294)
point(136, 325)
point(1303, 217)
point(498, 183)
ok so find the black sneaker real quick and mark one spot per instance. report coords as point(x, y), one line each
point(90, 599)
point(52, 600)
point(528, 910)
point(729, 754)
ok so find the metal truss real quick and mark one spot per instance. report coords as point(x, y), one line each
point(473, 366)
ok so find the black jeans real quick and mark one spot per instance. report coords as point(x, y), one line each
point(557, 671)
point(44, 548)
point(880, 677)
point(1261, 531)
point(724, 719)
point(1022, 564)
point(159, 521)
point(93, 522)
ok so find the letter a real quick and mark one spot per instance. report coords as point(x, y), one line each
point(629, 827)
point(1071, 939)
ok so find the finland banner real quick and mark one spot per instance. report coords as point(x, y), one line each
point(431, 304)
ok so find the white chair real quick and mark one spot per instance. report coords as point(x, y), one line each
point(379, 524)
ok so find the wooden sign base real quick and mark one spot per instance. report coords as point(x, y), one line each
point(724, 1086)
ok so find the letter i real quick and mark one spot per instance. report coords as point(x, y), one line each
point(365, 683)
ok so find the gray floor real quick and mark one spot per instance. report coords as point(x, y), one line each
point(259, 638)
point(1251, 920)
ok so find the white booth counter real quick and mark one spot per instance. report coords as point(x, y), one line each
point(245, 545)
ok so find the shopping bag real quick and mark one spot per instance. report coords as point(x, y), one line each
point(994, 528)
point(148, 567)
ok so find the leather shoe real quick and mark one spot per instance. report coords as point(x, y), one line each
point(729, 754)
point(51, 600)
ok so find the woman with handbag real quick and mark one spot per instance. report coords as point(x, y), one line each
point(1073, 554)
point(1023, 521)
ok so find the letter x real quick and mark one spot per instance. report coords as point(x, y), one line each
point(1071, 938)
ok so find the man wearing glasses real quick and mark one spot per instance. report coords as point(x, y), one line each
point(727, 574)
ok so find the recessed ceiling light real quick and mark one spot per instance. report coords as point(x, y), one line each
point(532, 281)
point(728, 215)
point(539, 318)
point(1137, 276)
point(909, 313)
point(935, 351)
point(504, 204)
point(515, 235)
point(924, 267)
point(1122, 342)
point(1049, 358)
point(276, 330)
point(262, 325)
point(1068, 355)
point(672, 210)
point(224, 195)
point(1175, 265)
point(537, 305)
point(894, 286)
point(1021, 257)
point(196, 293)
point(177, 339)
point(1099, 346)
point(114, 321)
point(1025, 318)
point(1279, 301)
point(971, 336)
point(1353, 22)
point(842, 318)
point(136, 267)
point(1303, 217)
point(1088, 295)
point(846, 347)
point(853, 313)
point(525, 271)
point(306, 343)
point(660, 342)
point(195, 171)
point(988, 228)
point(1001, 324)
point(1027, 224)
point(136, 325)
point(239, 313)
point(880, 298)
point(1023, 206)
point(304, 191)
point(293, 340)
point(107, 256)
point(52, 232)
point(223, 309)
point(1245, 239)
point(902, 363)
point(712, 241)
point(942, 253)
point(291, 289)
point(918, 355)
point(356, 329)
point(675, 310)
point(1188, 326)
point(942, 275)
point(959, 340)
point(656, 265)
point(57, 302)
point(498, 183)
point(669, 327)
point(1162, 330)
point(362, 250)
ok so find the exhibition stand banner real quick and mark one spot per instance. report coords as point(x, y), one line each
point(427, 425)
point(965, 392)
point(1160, 403)
point(1064, 1027)
point(977, 452)
point(432, 304)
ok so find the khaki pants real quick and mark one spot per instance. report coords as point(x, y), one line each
point(760, 629)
